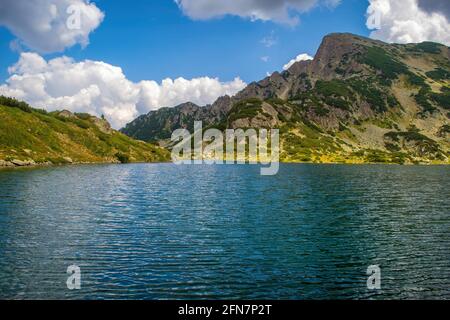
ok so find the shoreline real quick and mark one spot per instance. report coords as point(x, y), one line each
point(10, 165)
point(33, 165)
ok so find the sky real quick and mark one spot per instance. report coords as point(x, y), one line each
point(122, 59)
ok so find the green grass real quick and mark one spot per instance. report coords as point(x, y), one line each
point(27, 133)
point(248, 108)
point(422, 145)
point(381, 60)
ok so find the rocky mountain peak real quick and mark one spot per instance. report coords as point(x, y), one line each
point(356, 94)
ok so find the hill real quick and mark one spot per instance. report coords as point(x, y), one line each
point(359, 100)
point(30, 136)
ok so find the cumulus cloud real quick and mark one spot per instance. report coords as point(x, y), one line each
point(438, 6)
point(300, 57)
point(100, 88)
point(276, 10)
point(409, 21)
point(50, 25)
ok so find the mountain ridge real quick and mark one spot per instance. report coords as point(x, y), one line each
point(358, 100)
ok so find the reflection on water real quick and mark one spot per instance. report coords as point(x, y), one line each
point(160, 231)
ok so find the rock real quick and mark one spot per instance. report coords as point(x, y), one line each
point(68, 159)
point(25, 163)
point(18, 163)
point(27, 151)
point(30, 163)
point(4, 163)
point(66, 114)
point(102, 125)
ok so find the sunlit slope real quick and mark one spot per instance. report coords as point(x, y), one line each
point(32, 135)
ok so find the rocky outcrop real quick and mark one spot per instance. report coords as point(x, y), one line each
point(4, 163)
point(344, 101)
point(17, 163)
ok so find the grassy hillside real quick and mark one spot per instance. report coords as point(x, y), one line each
point(33, 135)
point(358, 101)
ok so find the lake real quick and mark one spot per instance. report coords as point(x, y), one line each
point(161, 231)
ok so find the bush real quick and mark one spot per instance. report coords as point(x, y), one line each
point(439, 74)
point(14, 103)
point(444, 130)
point(422, 100)
point(248, 108)
point(321, 111)
point(123, 158)
point(415, 80)
point(371, 95)
point(380, 59)
point(428, 47)
point(83, 115)
point(443, 100)
point(333, 88)
point(376, 156)
point(82, 124)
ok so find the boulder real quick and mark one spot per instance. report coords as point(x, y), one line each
point(24, 163)
point(66, 114)
point(68, 159)
point(4, 163)
point(18, 163)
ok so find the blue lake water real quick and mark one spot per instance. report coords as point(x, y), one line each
point(161, 231)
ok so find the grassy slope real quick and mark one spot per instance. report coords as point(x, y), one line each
point(359, 101)
point(410, 118)
point(44, 137)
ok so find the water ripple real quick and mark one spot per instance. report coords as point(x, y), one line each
point(160, 231)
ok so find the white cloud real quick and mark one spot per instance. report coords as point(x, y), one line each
point(42, 25)
point(280, 11)
point(265, 58)
point(100, 88)
point(407, 22)
point(269, 41)
point(300, 57)
point(201, 91)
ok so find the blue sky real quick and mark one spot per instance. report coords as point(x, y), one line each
point(154, 40)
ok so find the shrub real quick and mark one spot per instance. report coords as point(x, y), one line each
point(380, 59)
point(248, 108)
point(371, 95)
point(443, 100)
point(376, 156)
point(422, 100)
point(122, 157)
point(14, 103)
point(321, 111)
point(332, 88)
point(428, 47)
point(439, 74)
point(83, 116)
point(415, 80)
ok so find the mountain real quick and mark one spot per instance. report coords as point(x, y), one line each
point(31, 136)
point(359, 100)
